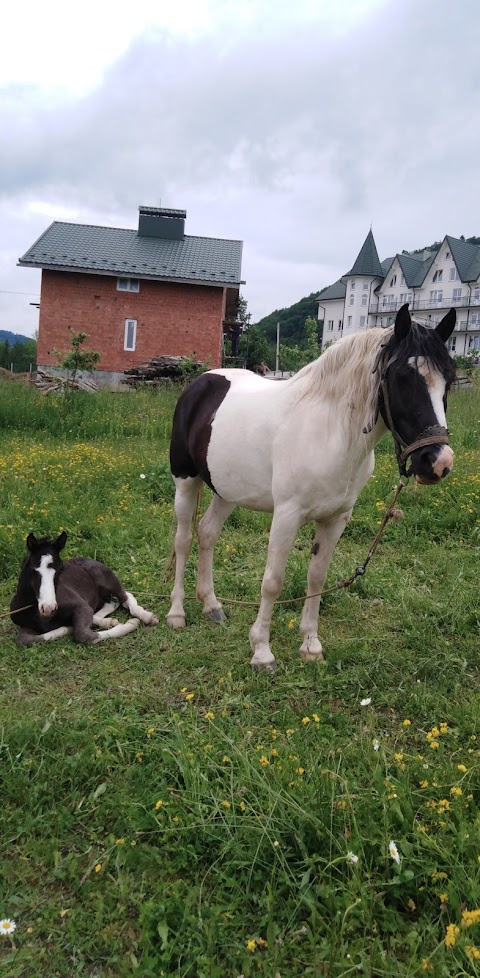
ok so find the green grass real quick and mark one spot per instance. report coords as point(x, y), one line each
point(149, 831)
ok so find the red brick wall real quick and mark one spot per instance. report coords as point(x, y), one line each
point(174, 320)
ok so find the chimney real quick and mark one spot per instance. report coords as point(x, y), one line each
point(161, 222)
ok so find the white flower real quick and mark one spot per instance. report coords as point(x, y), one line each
point(142, 475)
point(376, 745)
point(366, 702)
point(7, 926)
point(352, 858)
point(394, 852)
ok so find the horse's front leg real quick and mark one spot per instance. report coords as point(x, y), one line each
point(208, 533)
point(282, 536)
point(186, 496)
point(327, 535)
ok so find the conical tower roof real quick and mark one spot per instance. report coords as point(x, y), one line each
point(367, 262)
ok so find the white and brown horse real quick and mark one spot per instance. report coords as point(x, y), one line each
point(303, 449)
point(56, 597)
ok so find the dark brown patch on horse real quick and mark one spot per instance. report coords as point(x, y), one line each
point(192, 426)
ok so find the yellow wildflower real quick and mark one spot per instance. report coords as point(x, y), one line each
point(264, 760)
point(411, 905)
point(451, 935)
point(251, 945)
point(98, 868)
point(274, 752)
point(472, 952)
point(407, 723)
point(119, 842)
point(443, 728)
point(226, 759)
point(292, 623)
point(227, 804)
point(316, 717)
point(434, 744)
point(443, 897)
point(189, 696)
point(300, 770)
point(462, 768)
point(456, 791)
point(150, 731)
point(158, 804)
point(424, 784)
point(305, 720)
point(470, 917)
point(209, 715)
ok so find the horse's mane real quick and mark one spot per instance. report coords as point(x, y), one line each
point(345, 376)
point(348, 374)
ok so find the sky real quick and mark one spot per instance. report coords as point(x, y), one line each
point(294, 126)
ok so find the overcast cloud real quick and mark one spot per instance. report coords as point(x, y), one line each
point(293, 126)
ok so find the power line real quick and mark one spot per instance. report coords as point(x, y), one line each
point(7, 292)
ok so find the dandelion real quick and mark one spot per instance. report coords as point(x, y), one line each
point(251, 945)
point(366, 701)
point(189, 696)
point(394, 852)
point(451, 935)
point(7, 926)
point(407, 723)
point(300, 770)
point(305, 720)
point(352, 858)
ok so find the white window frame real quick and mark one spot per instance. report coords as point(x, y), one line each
point(362, 321)
point(405, 297)
point(454, 276)
point(128, 284)
point(447, 255)
point(128, 322)
point(393, 281)
point(452, 344)
point(352, 284)
point(340, 323)
point(329, 325)
point(438, 275)
point(364, 300)
point(349, 321)
point(436, 295)
point(365, 286)
point(474, 319)
point(457, 296)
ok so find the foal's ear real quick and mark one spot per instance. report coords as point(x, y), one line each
point(446, 326)
point(60, 542)
point(32, 542)
point(403, 322)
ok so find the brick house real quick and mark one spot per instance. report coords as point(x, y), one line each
point(138, 294)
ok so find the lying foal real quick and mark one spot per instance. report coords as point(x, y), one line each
point(69, 597)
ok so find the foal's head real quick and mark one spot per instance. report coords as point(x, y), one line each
point(43, 564)
point(418, 371)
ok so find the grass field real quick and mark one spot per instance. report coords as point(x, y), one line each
point(165, 811)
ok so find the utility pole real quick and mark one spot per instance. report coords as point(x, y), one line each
point(277, 357)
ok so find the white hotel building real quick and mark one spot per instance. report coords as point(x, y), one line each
point(431, 282)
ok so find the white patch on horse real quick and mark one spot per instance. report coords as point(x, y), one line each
point(47, 600)
point(436, 389)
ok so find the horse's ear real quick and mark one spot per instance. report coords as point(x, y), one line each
point(446, 326)
point(32, 542)
point(60, 542)
point(403, 322)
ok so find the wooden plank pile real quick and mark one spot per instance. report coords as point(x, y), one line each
point(158, 370)
point(48, 384)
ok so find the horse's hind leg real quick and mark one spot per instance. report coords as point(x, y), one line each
point(208, 532)
point(102, 616)
point(27, 637)
point(327, 536)
point(136, 610)
point(186, 495)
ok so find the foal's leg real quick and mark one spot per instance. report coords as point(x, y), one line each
point(101, 617)
point(282, 536)
point(27, 637)
point(208, 533)
point(186, 496)
point(327, 535)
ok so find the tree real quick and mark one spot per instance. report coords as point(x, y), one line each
point(78, 357)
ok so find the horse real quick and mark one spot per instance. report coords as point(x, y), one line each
point(55, 598)
point(303, 449)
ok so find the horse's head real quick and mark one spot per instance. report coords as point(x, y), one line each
point(44, 564)
point(417, 372)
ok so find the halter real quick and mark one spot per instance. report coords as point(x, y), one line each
point(434, 434)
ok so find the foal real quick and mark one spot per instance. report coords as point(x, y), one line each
point(69, 597)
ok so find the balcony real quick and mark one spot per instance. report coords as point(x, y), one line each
point(465, 302)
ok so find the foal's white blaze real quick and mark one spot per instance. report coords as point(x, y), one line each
point(436, 388)
point(47, 599)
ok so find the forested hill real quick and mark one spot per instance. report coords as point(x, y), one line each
point(292, 320)
point(12, 338)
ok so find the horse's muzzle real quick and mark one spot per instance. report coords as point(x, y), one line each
point(47, 610)
point(431, 465)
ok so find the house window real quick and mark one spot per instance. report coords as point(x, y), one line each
point(474, 319)
point(130, 334)
point(387, 301)
point(405, 297)
point(352, 299)
point(454, 276)
point(452, 344)
point(476, 295)
point(447, 255)
point(389, 320)
point(402, 280)
point(349, 321)
point(128, 285)
point(330, 325)
point(393, 281)
point(365, 285)
point(340, 323)
point(456, 296)
point(362, 321)
point(438, 275)
point(436, 296)
point(352, 284)
point(474, 343)
point(364, 300)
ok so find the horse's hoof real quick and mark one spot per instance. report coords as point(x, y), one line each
point(309, 656)
point(264, 666)
point(215, 614)
point(176, 621)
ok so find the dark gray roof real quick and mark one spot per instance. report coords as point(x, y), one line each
point(120, 251)
point(466, 257)
point(367, 261)
point(335, 291)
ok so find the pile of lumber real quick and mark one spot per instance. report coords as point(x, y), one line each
point(48, 384)
point(157, 370)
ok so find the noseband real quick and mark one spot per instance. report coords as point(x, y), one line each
point(434, 434)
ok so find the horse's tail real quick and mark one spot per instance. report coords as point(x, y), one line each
point(170, 560)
